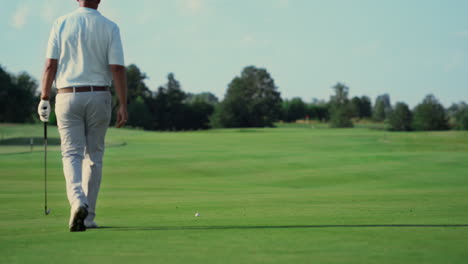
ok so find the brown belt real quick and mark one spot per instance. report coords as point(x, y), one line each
point(81, 89)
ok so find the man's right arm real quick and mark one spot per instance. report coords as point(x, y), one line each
point(120, 84)
point(48, 77)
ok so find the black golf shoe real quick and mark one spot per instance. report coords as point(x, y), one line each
point(77, 221)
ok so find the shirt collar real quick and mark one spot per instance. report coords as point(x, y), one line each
point(86, 9)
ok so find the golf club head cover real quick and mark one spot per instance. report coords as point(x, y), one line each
point(44, 110)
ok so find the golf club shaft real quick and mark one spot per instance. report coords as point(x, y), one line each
point(45, 168)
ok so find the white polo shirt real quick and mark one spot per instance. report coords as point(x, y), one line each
point(85, 43)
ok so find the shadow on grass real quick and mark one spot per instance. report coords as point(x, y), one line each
point(26, 141)
point(159, 228)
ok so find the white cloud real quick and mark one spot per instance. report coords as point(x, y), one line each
point(20, 17)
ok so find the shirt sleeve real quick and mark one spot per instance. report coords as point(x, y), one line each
point(115, 53)
point(53, 46)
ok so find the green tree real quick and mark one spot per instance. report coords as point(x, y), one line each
point(355, 106)
point(293, 110)
point(6, 88)
point(136, 83)
point(462, 119)
point(139, 114)
point(365, 109)
point(18, 100)
point(169, 110)
point(361, 107)
point(27, 99)
point(206, 97)
point(430, 115)
point(382, 108)
point(198, 110)
point(340, 108)
point(252, 100)
point(175, 104)
point(198, 114)
point(318, 110)
point(298, 109)
point(158, 109)
point(458, 114)
point(401, 118)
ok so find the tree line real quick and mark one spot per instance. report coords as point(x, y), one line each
point(252, 100)
point(429, 114)
point(18, 98)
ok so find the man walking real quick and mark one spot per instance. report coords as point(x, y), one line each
point(84, 54)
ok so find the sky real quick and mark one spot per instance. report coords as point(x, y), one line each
point(408, 49)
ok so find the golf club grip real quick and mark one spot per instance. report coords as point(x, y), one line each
point(45, 130)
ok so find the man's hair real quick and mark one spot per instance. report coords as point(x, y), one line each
point(92, 1)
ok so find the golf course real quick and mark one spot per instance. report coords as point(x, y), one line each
point(291, 194)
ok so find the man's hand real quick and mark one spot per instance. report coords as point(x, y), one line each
point(44, 110)
point(122, 116)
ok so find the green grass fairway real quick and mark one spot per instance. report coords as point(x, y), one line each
point(285, 195)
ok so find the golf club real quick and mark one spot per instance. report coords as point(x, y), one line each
point(46, 211)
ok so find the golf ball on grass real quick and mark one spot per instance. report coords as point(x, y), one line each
point(197, 214)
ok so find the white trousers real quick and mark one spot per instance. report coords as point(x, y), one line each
point(83, 119)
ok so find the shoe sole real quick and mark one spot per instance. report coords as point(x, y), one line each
point(78, 220)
